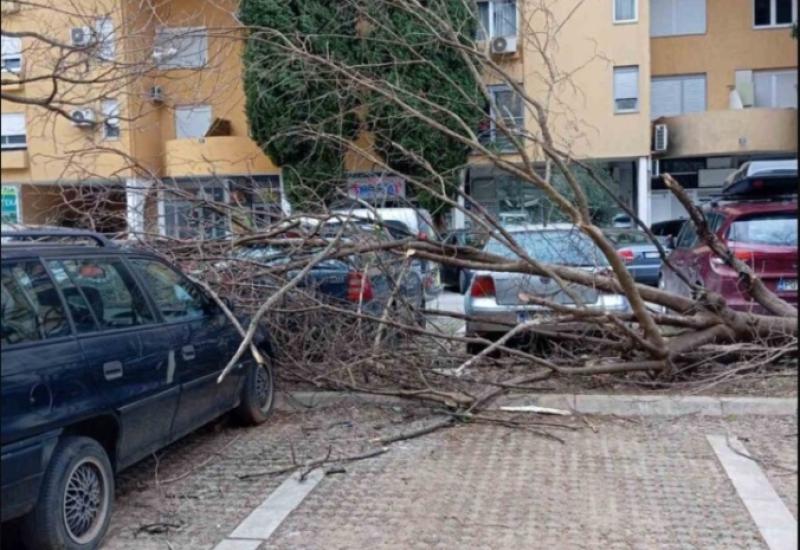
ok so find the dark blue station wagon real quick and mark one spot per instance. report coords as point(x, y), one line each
point(108, 354)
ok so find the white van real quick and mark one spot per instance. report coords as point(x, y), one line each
point(414, 222)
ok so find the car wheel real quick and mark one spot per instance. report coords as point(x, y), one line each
point(75, 499)
point(462, 282)
point(258, 394)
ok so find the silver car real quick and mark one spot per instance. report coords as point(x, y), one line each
point(493, 301)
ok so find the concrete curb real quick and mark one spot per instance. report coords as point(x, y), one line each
point(619, 405)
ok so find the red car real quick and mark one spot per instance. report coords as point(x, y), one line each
point(760, 229)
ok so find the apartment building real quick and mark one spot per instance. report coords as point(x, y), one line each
point(158, 98)
point(716, 78)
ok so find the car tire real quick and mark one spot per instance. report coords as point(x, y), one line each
point(258, 394)
point(462, 282)
point(80, 469)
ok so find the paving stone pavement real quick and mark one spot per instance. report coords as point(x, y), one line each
point(636, 483)
point(648, 484)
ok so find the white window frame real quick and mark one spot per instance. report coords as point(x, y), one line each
point(106, 45)
point(490, 31)
point(675, 31)
point(496, 136)
point(625, 21)
point(680, 78)
point(110, 111)
point(14, 146)
point(16, 54)
point(200, 33)
point(193, 107)
point(773, 74)
point(626, 68)
point(773, 13)
point(212, 224)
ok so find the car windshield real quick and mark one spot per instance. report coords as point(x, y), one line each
point(627, 237)
point(560, 247)
point(771, 229)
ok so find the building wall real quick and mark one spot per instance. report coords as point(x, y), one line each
point(57, 149)
point(582, 56)
point(729, 44)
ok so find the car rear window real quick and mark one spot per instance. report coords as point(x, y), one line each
point(570, 248)
point(771, 229)
point(627, 237)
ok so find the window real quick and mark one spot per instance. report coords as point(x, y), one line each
point(626, 11)
point(29, 304)
point(79, 309)
point(192, 121)
point(676, 95)
point(191, 217)
point(11, 54)
point(496, 18)
point(181, 48)
point(110, 109)
point(777, 89)
point(256, 203)
point(505, 106)
point(12, 131)
point(687, 237)
point(104, 29)
point(676, 17)
point(626, 89)
point(177, 298)
point(774, 13)
point(769, 229)
point(107, 285)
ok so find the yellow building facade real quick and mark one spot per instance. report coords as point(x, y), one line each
point(163, 90)
point(717, 78)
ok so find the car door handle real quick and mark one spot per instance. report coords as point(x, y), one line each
point(112, 370)
point(187, 352)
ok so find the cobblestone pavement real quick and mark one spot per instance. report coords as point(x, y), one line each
point(613, 483)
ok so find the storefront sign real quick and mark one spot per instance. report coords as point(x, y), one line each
point(376, 186)
point(10, 197)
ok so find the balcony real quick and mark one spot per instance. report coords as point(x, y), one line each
point(731, 132)
point(216, 156)
point(14, 159)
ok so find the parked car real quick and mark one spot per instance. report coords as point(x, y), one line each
point(622, 221)
point(364, 280)
point(759, 224)
point(108, 354)
point(493, 299)
point(667, 231)
point(453, 276)
point(413, 222)
point(640, 255)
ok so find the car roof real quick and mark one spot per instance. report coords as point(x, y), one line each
point(539, 227)
point(742, 208)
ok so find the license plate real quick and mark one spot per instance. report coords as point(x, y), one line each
point(787, 285)
point(651, 255)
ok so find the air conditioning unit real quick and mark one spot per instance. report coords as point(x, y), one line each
point(504, 44)
point(156, 94)
point(660, 138)
point(83, 117)
point(82, 36)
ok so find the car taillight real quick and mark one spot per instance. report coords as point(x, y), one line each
point(626, 254)
point(482, 287)
point(747, 256)
point(359, 288)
